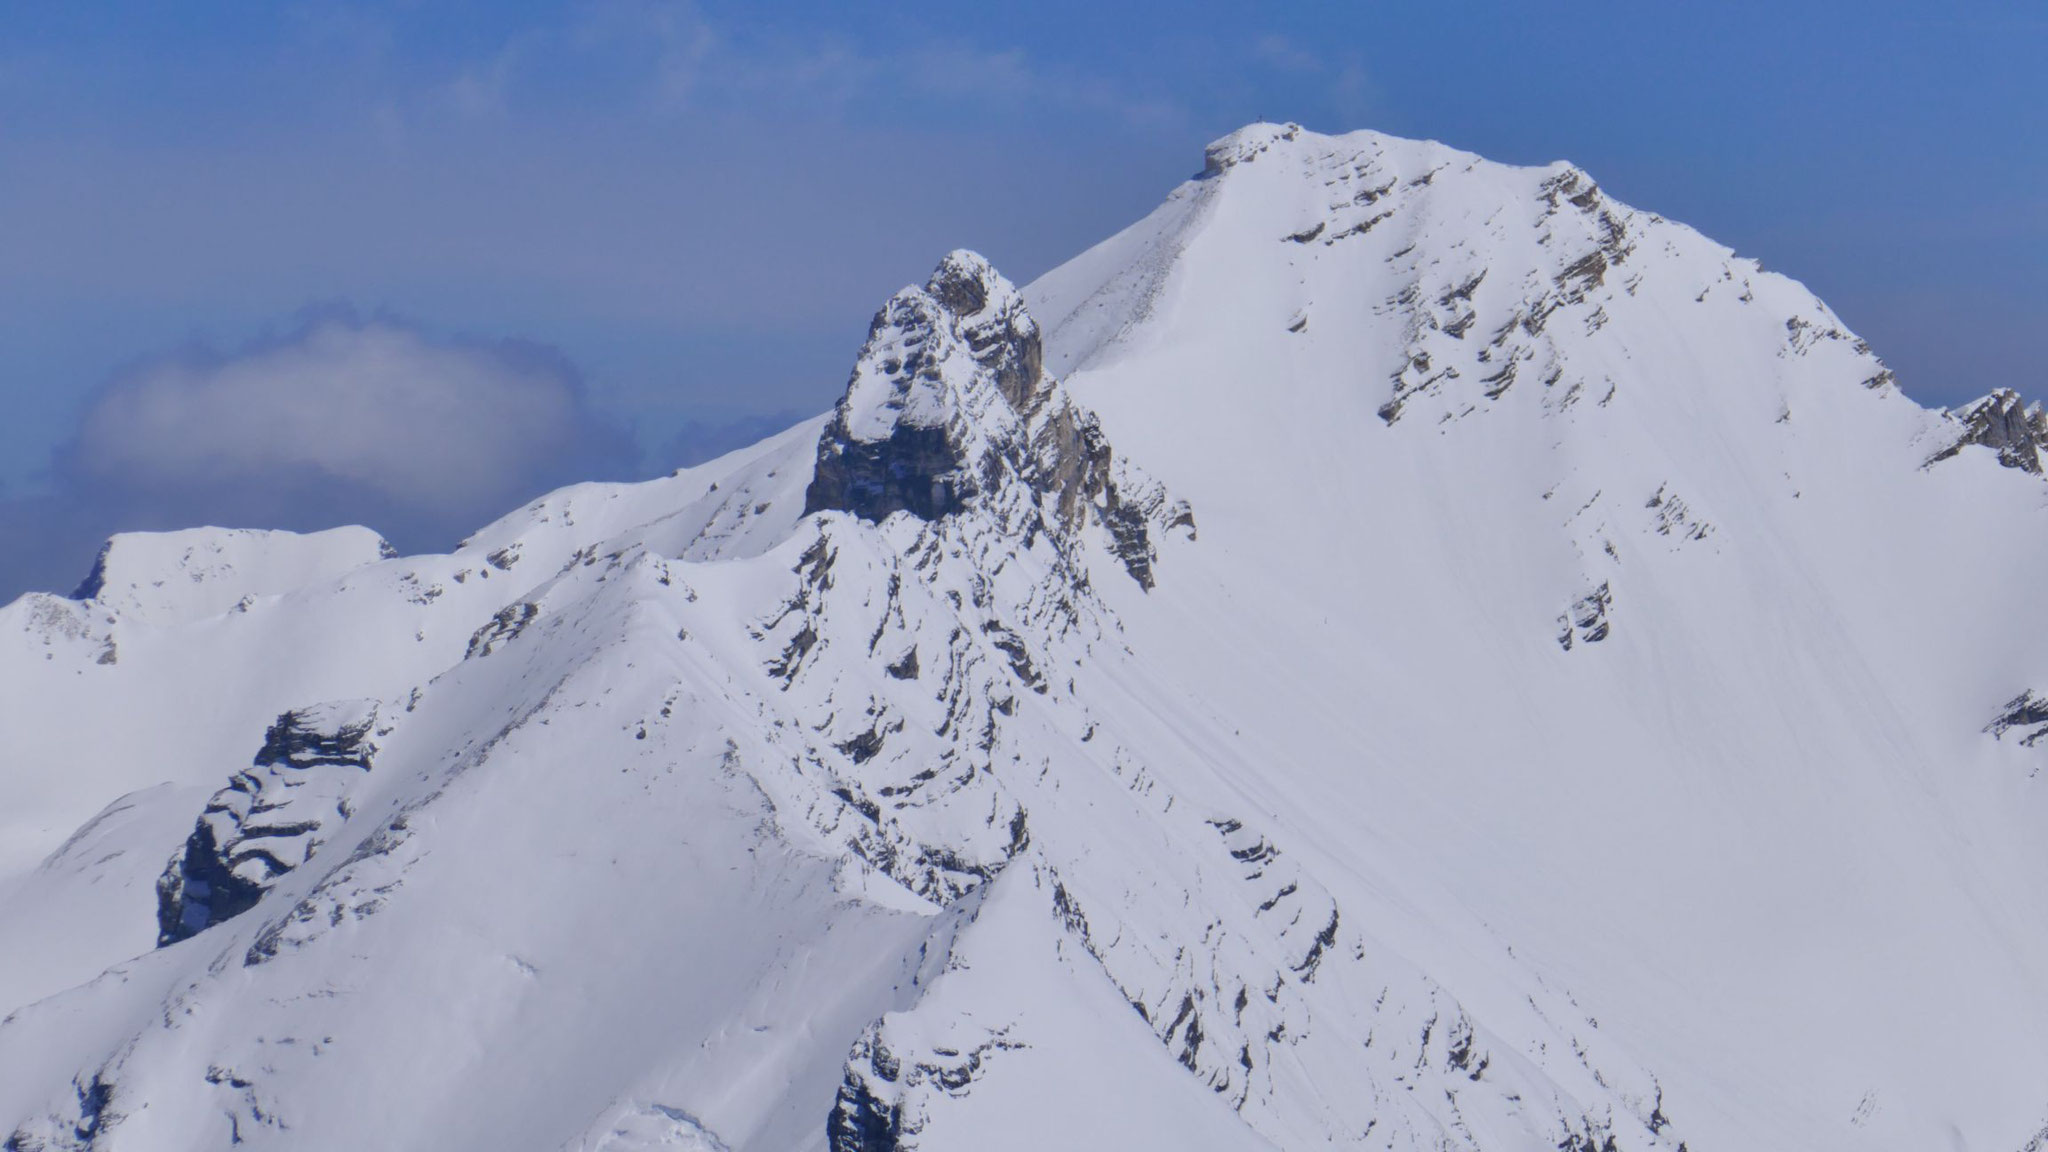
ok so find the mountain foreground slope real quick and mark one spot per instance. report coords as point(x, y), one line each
point(1390, 651)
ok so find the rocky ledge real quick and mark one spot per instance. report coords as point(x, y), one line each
point(269, 818)
point(2004, 423)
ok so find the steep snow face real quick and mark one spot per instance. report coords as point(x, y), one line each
point(1579, 589)
point(878, 836)
point(1574, 728)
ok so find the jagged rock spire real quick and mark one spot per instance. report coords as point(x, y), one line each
point(941, 389)
point(950, 408)
point(2006, 424)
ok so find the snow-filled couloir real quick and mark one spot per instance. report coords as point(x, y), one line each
point(1390, 651)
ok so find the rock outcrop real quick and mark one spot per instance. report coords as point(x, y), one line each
point(2003, 422)
point(269, 819)
point(881, 1102)
point(950, 408)
point(2028, 712)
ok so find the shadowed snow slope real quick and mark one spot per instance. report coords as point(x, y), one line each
point(1597, 712)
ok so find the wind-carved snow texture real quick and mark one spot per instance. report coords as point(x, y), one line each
point(917, 780)
point(269, 819)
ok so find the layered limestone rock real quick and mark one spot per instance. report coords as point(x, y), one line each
point(950, 407)
point(2007, 425)
point(269, 819)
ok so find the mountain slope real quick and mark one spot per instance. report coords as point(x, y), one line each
point(1391, 651)
point(1766, 783)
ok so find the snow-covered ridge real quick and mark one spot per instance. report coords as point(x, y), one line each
point(169, 577)
point(1596, 715)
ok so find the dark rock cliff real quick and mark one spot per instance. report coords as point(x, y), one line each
point(950, 408)
point(269, 818)
point(2007, 425)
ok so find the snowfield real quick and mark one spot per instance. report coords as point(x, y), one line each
point(1391, 651)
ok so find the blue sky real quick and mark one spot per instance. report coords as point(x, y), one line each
point(680, 217)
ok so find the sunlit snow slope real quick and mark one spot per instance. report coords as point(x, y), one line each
point(1391, 651)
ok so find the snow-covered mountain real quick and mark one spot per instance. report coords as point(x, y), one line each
point(1390, 651)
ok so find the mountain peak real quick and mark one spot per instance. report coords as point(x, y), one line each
point(1578, 672)
point(1245, 145)
point(950, 408)
point(947, 375)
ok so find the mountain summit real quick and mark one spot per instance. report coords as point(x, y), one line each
point(950, 408)
point(1597, 714)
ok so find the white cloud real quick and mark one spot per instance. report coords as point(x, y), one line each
point(340, 421)
point(1284, 54)
point(679, 63)
point(480, 88)
point(433, 426)
point(1354, 95)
